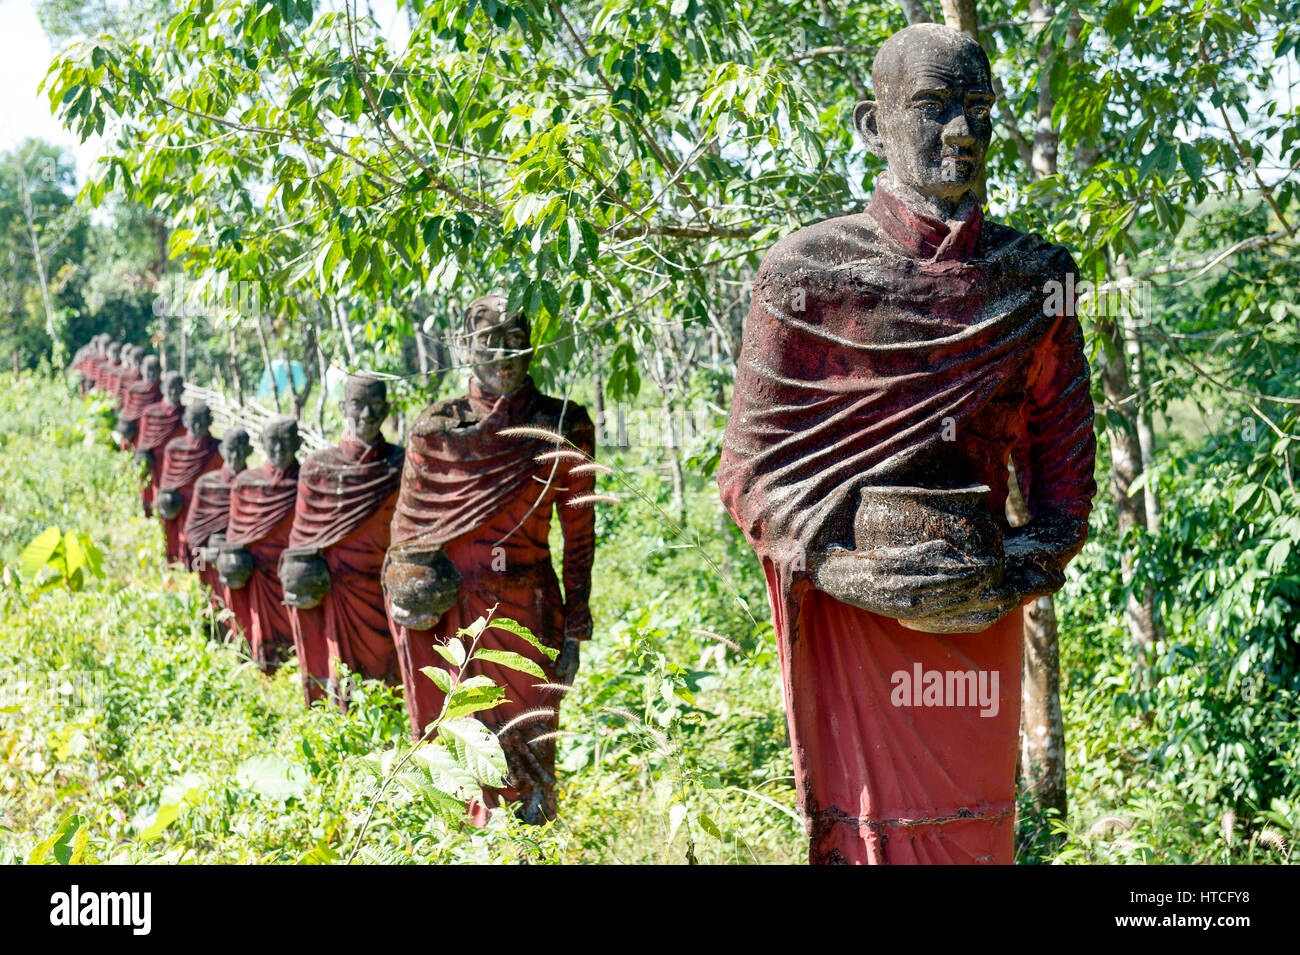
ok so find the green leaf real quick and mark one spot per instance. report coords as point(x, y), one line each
point(439, 676)
point(447, 775)
point(38, 553)
point(475, 694)
point(165, 817)
point(1191, 160)
point(475, 749)
point(272, 776)
point(709, 826)
point(676, 815)
point(519, 630)
point(73, 556)
point(453, 651)
point(515, 661)
point(61, 844)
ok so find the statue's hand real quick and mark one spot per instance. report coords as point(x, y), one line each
point(921, 581)
point(566, 664)
point(412, 620)
point(577, 622)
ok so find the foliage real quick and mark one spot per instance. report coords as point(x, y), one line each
point(73, 557)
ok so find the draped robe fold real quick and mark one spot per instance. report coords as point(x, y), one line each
point(345, 503)
point(138, 397)
point(886, 348)
point(159, 424)
point(184, 460)
point(209, 515)
point(85, 366)
point(261, 516)
point(487, 501)
point(106, 373)
point(127, 378)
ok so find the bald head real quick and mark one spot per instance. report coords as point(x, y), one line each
point(198, 419)
point(235, 449)
point(499, 351)
point(931, 120)
point(925, 48)
point(280, 441)
point(362, 386)
point(151, 368)
point(173, 386)
point(364, 407)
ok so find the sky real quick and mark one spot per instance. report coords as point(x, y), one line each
point(25, 55)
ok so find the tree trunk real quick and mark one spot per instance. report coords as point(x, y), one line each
point(345, 331)
point(185, 339)
point(235, 374)
point(915, 11)
point(1042, 725)
point(266, 361)
point(1125, 467)
point(600, 401)
point(38, 257)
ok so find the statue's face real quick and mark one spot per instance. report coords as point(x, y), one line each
point(151, 370)
point(200, 424)
point(364, 411)
point(933, 122)
point(499, 354)
point(172, 390)
point(235, 450)
point(281, 446)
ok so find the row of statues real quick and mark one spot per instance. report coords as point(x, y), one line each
point(896, 363)
point(366, 554)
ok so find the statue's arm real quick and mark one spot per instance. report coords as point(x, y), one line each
point(1055, 464)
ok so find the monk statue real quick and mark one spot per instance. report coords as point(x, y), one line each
point(83, 362)
point(129, 374)
point(894, 361)
point(110, 367)
point(185, 458)
point(159, 424)
point(138, 397)
point(93, 361)
point(471, 532)
point(209, 512)
point(261, 514)
point(330, 570)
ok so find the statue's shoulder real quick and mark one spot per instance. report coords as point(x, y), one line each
point(822, 245)
point(568, 418)
point(244, 478)
point(1028, 251)
point(319, 457)
point(213, 479)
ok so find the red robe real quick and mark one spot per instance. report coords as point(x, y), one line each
point(261, 515)
point(889, 347)
point(105, 374)
point(159, 424)
point(488, 501)
point(122, 384)
point(84, 367)
point(346, 495)
point(138, 397)
point(184, 460)
point(208, 515)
